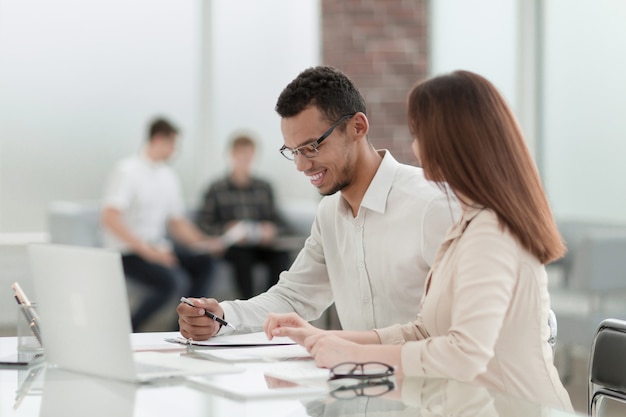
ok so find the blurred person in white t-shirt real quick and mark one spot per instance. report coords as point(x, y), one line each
point(144, 218)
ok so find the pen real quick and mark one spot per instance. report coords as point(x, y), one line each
point(208, 314)
point(28, 310)
point(23, 389)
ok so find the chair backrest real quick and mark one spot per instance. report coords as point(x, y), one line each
point(74, 223)
point(607, 363)
point(78, 223)
point(299, 215)
point(600, 263)
point(574, 232)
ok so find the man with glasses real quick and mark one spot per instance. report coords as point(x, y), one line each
point(376, 230)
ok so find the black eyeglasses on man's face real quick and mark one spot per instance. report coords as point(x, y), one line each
point(310, 150)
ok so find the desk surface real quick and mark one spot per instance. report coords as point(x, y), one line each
point(52, 392)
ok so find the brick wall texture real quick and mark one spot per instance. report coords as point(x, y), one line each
point(382, 46)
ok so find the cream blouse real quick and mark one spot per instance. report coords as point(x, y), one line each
point(484, 315)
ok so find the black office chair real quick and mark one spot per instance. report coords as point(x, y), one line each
point(607, 364)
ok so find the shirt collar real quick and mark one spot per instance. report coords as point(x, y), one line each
point(375, 197)
point(468, 215)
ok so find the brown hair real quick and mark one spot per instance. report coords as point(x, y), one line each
point(161, 127)
point(468, 137)
point(242, 140)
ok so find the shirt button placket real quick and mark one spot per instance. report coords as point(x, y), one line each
point(364, 282)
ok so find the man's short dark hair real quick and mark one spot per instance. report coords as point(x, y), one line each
point(161, 127)
point(326, 88)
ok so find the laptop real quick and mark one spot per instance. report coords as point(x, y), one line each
point(68, 394)
point(85, 318)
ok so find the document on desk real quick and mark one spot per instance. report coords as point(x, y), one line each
point(254, 385)
point(255, 354)
point(233, 341)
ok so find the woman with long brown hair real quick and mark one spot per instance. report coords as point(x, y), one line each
point(484, 314)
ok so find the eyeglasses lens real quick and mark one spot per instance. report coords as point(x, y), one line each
point(362, 370)
point(373, 388)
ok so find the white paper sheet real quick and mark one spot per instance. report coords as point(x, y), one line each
point(256, 353)
point(239, 340)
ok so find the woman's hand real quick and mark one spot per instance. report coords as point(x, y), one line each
point(329, 349)
point(290, 325)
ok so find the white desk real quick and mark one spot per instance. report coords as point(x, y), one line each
point(58, 393)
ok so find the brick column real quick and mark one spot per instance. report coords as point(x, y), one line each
point(382, 46)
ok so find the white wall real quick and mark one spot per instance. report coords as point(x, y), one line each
point(80, 80)
point(494, 38)
point(585, 108)
point(479, 36)
point(560, 64)
point(257, 48)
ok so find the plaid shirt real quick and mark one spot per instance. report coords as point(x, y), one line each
point(225, 202)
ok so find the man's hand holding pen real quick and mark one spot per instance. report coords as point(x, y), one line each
point(193, 321)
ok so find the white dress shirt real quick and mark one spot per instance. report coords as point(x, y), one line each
point(148, 194)
point(372, 266)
